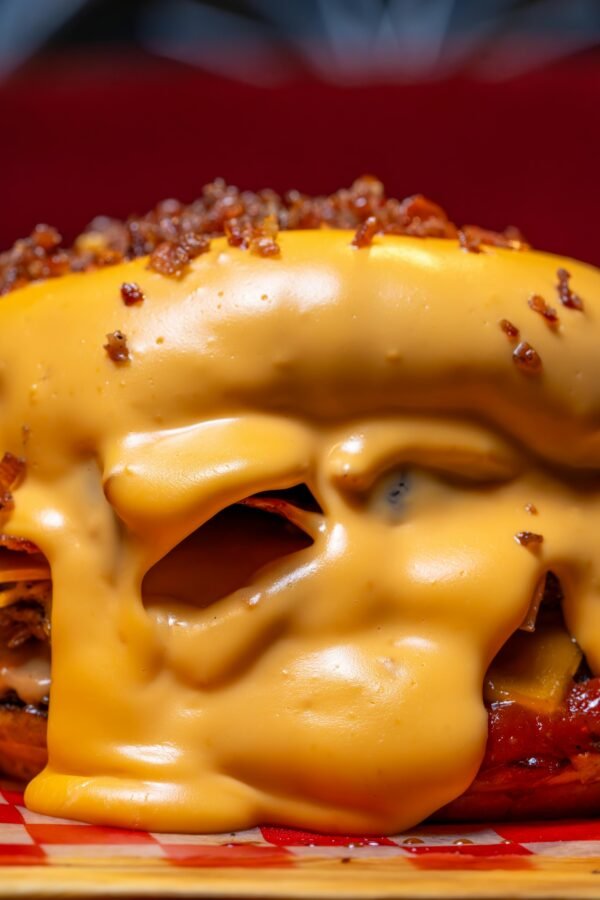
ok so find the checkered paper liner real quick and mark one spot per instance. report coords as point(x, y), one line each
point(27, 838)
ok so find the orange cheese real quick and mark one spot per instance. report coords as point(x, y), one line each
point(338, 686)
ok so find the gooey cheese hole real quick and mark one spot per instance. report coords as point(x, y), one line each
point(221, 556)
point(226, 556)
point(165, 485)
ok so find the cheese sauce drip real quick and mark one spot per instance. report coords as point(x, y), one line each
point(340, 688)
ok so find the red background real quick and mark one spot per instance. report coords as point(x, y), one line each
point(82, 137)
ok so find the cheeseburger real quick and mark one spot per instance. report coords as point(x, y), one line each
point(300, 503)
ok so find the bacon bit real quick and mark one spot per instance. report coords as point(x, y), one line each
point(12, 472)
point(45, 237)
point(469, 241)
point(515, 236)
point(472, 238)
point(195, 244)
point(365, 233)
point(237, 233)
point(170, 258)
point(509, 329)
point(264, 246)
point(526, 538)
point(566, 296)
point(419, 217)
point(263, 241)
point(531, 508)
point(173, 233)
point(131, 293)
point(539, 305)
point(527, 359)
point(259, 238)
point(116, 347)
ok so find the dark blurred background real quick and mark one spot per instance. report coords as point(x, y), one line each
point(491, 108)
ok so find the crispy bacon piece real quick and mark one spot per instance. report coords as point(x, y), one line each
point(527, 538)
point(510, 330)
point(472, 238)
point(539, 305)
point(263, 240)
point(365, 233)
point(420, 217)
point(260, 238)
point(527, 359)
point(173, 233)
point(566, 296)
point(116, 347)
point(131, 293)
point(171, 257)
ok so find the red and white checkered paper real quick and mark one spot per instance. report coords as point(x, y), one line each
point(27, 838)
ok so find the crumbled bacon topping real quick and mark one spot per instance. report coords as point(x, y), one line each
point(171, 257)
point(566, 296)
point(173, 233)
point(527, 538)
point(509, 329)
point(365, 233)
point(472, 238)
point(168, 259)
point(131, 293)
point(527, 359)
point(116, 347)
point(263, 241)
point(539, 305)
point(259, 238)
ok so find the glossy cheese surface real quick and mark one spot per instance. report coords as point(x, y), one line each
point(340, 687)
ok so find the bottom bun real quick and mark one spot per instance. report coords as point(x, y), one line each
point(22, 742)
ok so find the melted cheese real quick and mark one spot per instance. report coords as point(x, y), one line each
point(338, 687)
